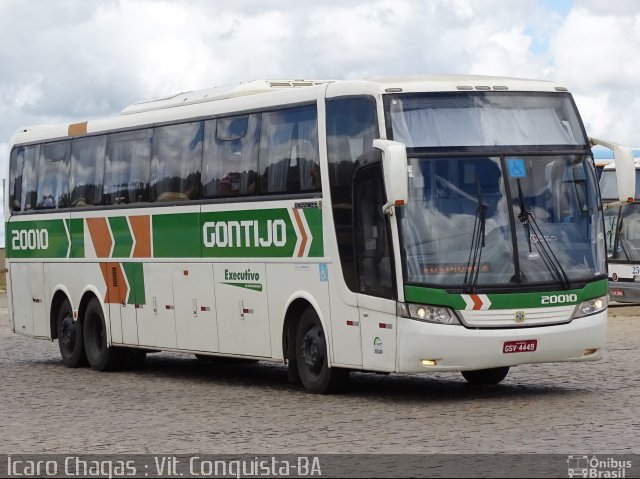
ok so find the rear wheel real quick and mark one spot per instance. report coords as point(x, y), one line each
point(312, 358)
point(100, 356)
point(486, 376)
point(70, 340)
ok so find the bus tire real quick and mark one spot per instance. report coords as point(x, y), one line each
point(70, 340)
point(100, 356)
point(483, 377)
point(312, 357)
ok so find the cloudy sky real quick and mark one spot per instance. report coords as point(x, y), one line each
point(72, 60)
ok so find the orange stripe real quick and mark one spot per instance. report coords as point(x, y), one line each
point(305, 238)
point(100, 235)
point(77, 129)
point(141, 227)
point(477, 302)
point(117, 290)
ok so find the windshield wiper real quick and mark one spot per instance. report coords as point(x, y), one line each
point(477, 243)
point(549, 258)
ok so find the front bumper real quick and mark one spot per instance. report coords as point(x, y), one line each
point(456, 348)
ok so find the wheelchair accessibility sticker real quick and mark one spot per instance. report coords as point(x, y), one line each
point(324, 272)
point(516, 168)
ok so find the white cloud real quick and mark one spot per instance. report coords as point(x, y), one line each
point(597, 57)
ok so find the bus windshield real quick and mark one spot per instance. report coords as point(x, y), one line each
point(609, 185)
point(484, 119)
point(628, 244)
point(491, 221)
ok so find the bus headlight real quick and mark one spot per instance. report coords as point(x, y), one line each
point(592, 306)
point(428, 313)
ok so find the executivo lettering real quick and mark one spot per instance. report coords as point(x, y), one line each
point(223, 234)
point(246, 275)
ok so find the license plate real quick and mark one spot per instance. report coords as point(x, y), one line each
point(525, 346)
point(617, 292)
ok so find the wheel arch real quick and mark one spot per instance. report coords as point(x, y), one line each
point(60, 294)
point(294, 307)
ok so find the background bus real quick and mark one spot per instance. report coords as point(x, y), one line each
point(622, 230)
point(414, 225)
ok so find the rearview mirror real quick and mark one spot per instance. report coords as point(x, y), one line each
point(625, 169)
point(395, 171)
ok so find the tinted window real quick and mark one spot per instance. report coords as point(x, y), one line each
point(15, 178)
point(127, 167)
point(351, 129)
point(53, 176)
point(175, 166)
point(87, 170)
point(289, 151)
point(30, 177)
point(373, 254)
point(231, 156)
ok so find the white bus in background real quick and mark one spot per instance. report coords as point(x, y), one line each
point(414, 225)
point(622, 231)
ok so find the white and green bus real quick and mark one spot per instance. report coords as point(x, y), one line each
point(622, 233)
point(412, 225)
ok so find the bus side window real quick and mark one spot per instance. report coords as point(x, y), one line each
point(230, 166)
point(372, 234)
point(127, 167)
point(15, 180)
point(289, 151)
point(176, 162)
point(53, 176)
point(86, 180)
point(351, 129)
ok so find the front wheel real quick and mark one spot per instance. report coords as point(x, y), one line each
point(100, 356)
point(70, 339)
point(312, 358)
point(486, 376)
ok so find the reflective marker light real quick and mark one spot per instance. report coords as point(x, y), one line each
point(429, 362)
point(588, 352)
point(592, 306)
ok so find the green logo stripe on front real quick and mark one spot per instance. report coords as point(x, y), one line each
point(37, 239)
point(416, 294)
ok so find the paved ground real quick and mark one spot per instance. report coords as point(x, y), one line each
point(176, 404)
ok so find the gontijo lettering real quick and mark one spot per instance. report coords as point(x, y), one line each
point(245, 233)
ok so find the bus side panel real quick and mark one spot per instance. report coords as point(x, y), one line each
point(29, 314)
point(242, 308)
point(345, 327)
point(195, 303)
point(156, 319)
point(297, 280)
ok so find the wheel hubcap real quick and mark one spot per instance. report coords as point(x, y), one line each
point(68, 333)
point(312, 350)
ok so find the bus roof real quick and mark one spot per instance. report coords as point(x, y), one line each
point(265, 93)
